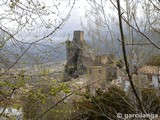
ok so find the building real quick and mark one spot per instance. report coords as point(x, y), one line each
point(150, 75)
point(80, 60)
point(101, 75)
point(104, 59)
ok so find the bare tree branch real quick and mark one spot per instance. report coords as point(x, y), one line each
point(126, 61)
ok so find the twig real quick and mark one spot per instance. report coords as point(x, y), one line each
point(126, 60)
point(62, 101)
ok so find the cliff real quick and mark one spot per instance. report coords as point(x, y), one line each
point(78, 59)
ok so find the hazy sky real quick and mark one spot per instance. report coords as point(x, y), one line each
point(74, 22)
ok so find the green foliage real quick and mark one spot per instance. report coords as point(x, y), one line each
point(151, 100)
point(70, 69)
point(155, 60)
point(119, 63)
point(33, 104)
point(9, 87)
point(69, 44)
point(42, 96)
point(44, 72)
point(58, 88)
point(105, 105)
point(61, 112)
point(43, 7)
point(12, 3)
point(1, 45)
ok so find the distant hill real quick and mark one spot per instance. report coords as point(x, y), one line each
point(51, 52)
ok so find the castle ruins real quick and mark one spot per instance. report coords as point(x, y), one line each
point(80, 61)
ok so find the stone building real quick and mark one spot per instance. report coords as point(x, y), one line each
point(104, 59)
point(78, 58)
point(150, 76)
point(81, 61)
point(101, 75)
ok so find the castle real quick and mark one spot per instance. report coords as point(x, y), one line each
point(100, 69)
point(81, 60)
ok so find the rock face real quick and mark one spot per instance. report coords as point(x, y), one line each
point(77, 58)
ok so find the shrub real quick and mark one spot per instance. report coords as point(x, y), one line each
point(43, 96)
point(105, 105)
point(151, 100)
point(155, 60)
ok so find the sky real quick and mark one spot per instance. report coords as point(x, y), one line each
point(77, 17)
point(74, 22)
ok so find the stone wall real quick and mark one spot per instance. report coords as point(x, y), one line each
point(104, 59)
point(101, 75)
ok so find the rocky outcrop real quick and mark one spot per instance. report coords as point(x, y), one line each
point(77, 60)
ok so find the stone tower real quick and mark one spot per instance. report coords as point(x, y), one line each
point(78, 36)
point(74, 49)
